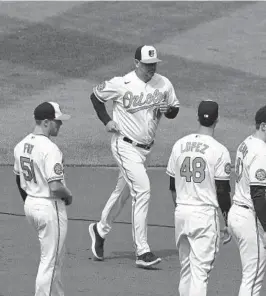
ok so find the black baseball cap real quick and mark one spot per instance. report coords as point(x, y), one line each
point(208, 112)
point(261, 115)
point(49, 110)
point(146, 54)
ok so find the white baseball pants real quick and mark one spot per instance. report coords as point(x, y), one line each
point(132, 181)
point(248, 234)
point(197, 232)
point(49, 218)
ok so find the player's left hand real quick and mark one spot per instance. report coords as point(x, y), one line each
point(163, 107)
point(226, 236)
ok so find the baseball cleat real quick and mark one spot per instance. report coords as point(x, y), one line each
point(147, 259)
point(97, 242)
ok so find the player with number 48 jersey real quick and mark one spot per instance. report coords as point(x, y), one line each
point(199, 169)
point(202, 160)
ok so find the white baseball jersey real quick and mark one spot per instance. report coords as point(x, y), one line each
point(38, 161)
point(135, 103)
point(196, 162)
point(250, 169)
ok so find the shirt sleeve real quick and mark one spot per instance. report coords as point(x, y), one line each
point(172, 98)
point(170, 170)
point(257, 171)
point(16, 164)
point(223, 166)
point(54, 169)
point(108, 90)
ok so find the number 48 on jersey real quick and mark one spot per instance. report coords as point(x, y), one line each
point(193, 169)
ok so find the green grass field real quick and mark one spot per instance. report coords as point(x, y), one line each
point(58, 51)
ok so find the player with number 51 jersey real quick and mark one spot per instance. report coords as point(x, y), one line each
point(38, 165)
point(46, 167)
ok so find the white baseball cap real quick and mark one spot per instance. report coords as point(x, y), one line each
point(146, 54)
point(49, 110)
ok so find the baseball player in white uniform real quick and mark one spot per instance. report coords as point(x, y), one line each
point(40, 178)
point(247, 216)
point(139, 100)
point(199, 169)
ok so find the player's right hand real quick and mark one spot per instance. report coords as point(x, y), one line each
point(112, 127)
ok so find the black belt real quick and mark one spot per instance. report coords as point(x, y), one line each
point(144, 146)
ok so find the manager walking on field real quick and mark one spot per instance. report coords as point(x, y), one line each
point(40, 179)
point(139, 100)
